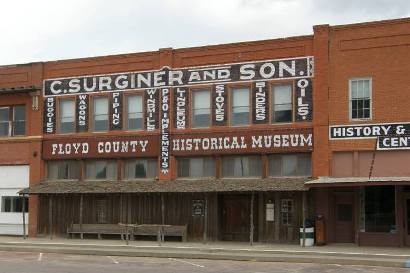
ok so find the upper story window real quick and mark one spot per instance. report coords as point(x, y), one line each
point(14, 204)
point(100, 114)
point(196, 167)
point(240, 166)
point(282, 103)
point(13, 120)
point(140, 168)
point(290, 164)
point(67, 116)
point(101, 169)
point(134, 112)
point(201, 108)
point(64, 169)
point(360, 98)
point(240, 106)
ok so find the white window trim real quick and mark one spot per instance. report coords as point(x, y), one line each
point(370, 94)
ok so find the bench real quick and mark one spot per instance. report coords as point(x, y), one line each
point(160, 231)
point(99, 229)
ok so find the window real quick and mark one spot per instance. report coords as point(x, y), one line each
point(282, 103)
point(378, 209)
point(13, 121)
point(101, 169)
point(67, 116)
point(290, 165)
point(140, 168)
point(201, 109)
point(240, 106)
point(239, 166)
point(100, 115)
point(196, 167)
point(14, 204)
point(134, 114)
point(101, 210)
point(360, 98)
point(286, 211)
point(67, 169)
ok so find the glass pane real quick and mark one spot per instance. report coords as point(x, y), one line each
point(283, 116)
point(101, 170)
point(282, 94)
point(134, 104)
point(366, 89)
point(101, 106)
point(19, 128)
point(67, 110)
point(240, 166)
point(183, 167)
point(354, 90)
point(4, 114)
point(58, 170)
point(201, 118)
point(4, 128)
point(289, 165)
point(240, 97)
point(275, 165)
point(240, 117)
point(201, 99)
point(304, 165)
point(19, 112)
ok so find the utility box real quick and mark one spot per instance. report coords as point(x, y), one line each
point(320, 230)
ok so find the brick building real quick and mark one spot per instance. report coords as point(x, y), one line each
point(237, 142)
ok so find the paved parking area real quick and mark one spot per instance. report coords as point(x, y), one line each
point(13, 262)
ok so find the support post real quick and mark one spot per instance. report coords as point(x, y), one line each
point(304, 217)
point(162, 217)
point(24, 215)
point(81, 216)
point(50, 216)
point(205, 235)
point(251, 220)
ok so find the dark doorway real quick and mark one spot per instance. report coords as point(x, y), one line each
point(235, 217)
point(344, 226)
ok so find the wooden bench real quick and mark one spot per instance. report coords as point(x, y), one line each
point(99, 229)
point(160, 231)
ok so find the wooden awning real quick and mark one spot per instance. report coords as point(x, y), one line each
point(176, 186)
point(357, 181)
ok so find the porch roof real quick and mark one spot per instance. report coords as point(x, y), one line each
point(176, 186)
point(326, 181)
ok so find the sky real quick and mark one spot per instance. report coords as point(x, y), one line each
point(44, 30)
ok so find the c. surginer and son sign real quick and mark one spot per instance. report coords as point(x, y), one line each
point(160, 86)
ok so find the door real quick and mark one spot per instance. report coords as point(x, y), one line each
point(344, 226)
point(407, 222)
point(235, 218)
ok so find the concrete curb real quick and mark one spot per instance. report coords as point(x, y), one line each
point(363, 259)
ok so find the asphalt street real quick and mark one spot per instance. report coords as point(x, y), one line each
point(13, 262)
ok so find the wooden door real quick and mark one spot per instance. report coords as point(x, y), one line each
point(344, 225)
point(235, 218)
point(407, 221)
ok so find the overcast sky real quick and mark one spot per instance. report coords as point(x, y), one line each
point(42, 30)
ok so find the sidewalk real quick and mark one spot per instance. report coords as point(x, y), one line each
point(347, 254)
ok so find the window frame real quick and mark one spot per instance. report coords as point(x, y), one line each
point(126, 112)
point(125, 161)
point(58, 121)
point(241, 155)
point(230, 106)
point(272, 103)
point(11, 121)
point(281, 164)
point(12, 204)
point(191, 106)
point(63, 179)
point(92, 127)
point(370, 98)
point(93, 161)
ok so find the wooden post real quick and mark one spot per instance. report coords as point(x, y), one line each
point(81, 216)
point(277, 217)
point(50, 216)
point(304, 217)
point(205, 235)
point(251, 219)
point(162, 217)
point(24, 215)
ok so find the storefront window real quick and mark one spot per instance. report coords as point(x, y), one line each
point(101, 169)
point(66, 169)
point(196, 167)
point(240, 166)
point(140, 168)
point(290, 165)
point(378, 209)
